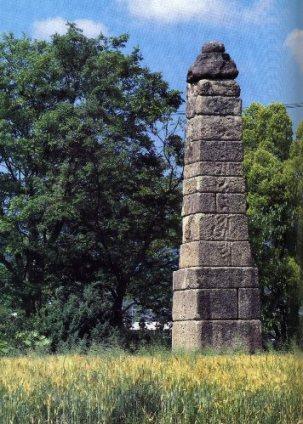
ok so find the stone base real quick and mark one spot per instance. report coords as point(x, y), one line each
point(217, 334)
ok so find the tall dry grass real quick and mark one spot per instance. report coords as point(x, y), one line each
point(119, 388)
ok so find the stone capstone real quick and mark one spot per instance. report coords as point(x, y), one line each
point(213, 46)
point(212, 63)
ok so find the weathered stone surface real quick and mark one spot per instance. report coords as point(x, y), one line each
point(214, 184)
point(249, 303)
point(241, 254)
point(213, 46)
point(213, 168)
point(215, 227)
point(205, 87)
point(218, 105)
point(214, 128)
point(205, 253)
point(209, 278)
point(199, 202)
point(205, 304)
point(213, 65)
point(231, 203)
point(220, 334)
point(215, 253)
point(221, 151)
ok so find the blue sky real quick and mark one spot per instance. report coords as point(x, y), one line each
point(264, 37)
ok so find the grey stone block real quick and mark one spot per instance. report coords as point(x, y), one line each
point(214, 128)
point(221, 277)
point(206, 87)
point(213, 105)
point(195, 335)
point(214, 184)
point(215, 253)
point(215, 227)
point(205, 304)
point(222, 151)
point(231, 203)
point(205, 253)
point(249, 303)
point(232, 169)
point(241, 254)
point(199, 202)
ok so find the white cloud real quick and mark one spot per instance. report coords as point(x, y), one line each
point(294, 42)
point(45, 28)
point(213, 11)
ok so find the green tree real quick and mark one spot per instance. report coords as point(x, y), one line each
point(273, 215)
point(299, 132)
point(90, 177)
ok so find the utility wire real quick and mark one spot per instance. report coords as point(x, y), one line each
point(287, 105)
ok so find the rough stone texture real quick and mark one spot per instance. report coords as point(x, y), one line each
point(216, 297)
point(215, 253)
point(241, 254)
point(229, 169)
point(214, 128)
point(212, 63)
point(231, 203)
point(202, 105)
point(214, 184)
point(221, 151)
point(199, 253)
point(205, 87)
point(213, 46)
point(209, 278)
point(214, 202)
point(205, 304)
point(199, 202)
point(249, 303)
point(220, 334)
point(215, 227)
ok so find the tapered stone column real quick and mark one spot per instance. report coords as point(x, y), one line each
point(216, 297)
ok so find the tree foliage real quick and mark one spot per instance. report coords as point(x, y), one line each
point(271, 165)
point(89, 188)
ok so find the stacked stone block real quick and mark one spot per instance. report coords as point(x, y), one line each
point(216, 296)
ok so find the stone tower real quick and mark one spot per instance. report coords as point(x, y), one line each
point(216, 296)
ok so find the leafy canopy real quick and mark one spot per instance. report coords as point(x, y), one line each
point(90, 179)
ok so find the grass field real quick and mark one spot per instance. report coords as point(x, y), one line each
point(163, 388)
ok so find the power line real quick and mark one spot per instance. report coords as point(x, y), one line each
point(293, 105)
point(287, 105)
